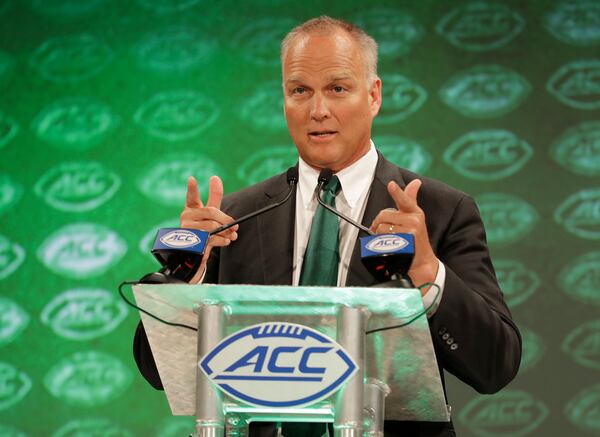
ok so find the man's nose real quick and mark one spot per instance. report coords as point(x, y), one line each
point(320, 109)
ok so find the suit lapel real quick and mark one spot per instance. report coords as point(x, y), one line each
point(378, 200)
point(276, 230)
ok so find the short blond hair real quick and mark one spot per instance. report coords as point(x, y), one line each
point(327, 25)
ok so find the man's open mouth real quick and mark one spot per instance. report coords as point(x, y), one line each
point(322, 133)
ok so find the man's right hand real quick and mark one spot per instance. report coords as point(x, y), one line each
point(207, 218)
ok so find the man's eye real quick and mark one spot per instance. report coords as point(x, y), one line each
point(338, 89)
point(299, 90)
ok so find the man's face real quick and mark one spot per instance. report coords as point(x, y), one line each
point(328, 104)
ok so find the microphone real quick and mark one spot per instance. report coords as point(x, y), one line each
point(324, 177)
point(180, 250)
point(292, 180)
point(386, 256)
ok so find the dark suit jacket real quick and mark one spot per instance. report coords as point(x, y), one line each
point(472, 311)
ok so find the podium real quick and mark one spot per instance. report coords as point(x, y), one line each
point(388, 367)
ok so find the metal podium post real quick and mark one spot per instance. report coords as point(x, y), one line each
point(210, 421)
point(351, 326)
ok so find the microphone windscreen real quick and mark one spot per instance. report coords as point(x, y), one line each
point(292, 175)
point(325, 176)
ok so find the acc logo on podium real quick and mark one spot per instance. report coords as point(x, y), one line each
point(278, 365)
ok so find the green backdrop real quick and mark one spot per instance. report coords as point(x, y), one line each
point(106, 106)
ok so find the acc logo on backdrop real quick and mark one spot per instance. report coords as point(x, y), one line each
point(77, 186)
point(83, 314)
point(576, 84)
point(71, 58)
point(488, 155)
point(258, 42)
point(578, 149)
point(264, 108)
point(278, 365)
point(176, 115)
point(11, 256)
point(480, 26)
point(173, 50)
point(401, 98)
point(166, 181)
point(15, 385)
point(508, 413)
point(75, 123)
point(405, 153)
point(91, 427)
point(10, 192)
point(580, 279)
point(88, 379)
point(517, 282)
point(533, 349)
point(584, 409)
point(507, 218)
point(13, 321)
point(485, 91)
point(583, 344)
point(8, 129)
point(575, 22)
point(266, 163)
point(66, 9)
point(81, 250)
point(580, 214)
point(396, 32)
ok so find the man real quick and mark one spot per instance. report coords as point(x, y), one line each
point(331, 96)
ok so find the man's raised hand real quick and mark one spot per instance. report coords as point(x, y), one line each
point(196, 215)
point(409, 218)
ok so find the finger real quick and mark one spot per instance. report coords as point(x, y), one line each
point(412, 189)
point(403, 201)
point(192, 198)
point(215, 192)
point(216, 217)
point(216, 241)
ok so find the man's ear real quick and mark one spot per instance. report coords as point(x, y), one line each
point(375, 95)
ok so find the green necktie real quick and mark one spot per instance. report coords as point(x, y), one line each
point(321, 259)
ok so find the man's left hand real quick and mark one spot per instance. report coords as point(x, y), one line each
point(408, 218)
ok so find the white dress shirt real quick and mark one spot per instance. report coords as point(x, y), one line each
point(355, 183)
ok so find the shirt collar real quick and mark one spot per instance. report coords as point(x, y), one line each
point(354, 179)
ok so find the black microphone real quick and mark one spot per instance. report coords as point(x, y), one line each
point(180, 250)
point(324, 177)
point(386, 256)
point(292, 180)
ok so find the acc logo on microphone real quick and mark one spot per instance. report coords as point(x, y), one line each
point(180, 239)
point(278, 365)
point(387, 243)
